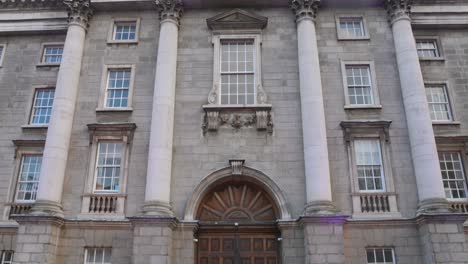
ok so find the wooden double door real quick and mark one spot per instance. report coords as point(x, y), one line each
point(238, 248)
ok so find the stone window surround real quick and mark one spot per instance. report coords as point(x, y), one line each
point(30, 112)
point(87, 249)
point(2, 54)
point(381, 248)
point(115, 132)
point(110, 34)
point(454, 144)
point(450, 93)
point(370, 129)
point(436, 39)
point(22, 147)
point(103, 90)
point(341, 36)
point(375, 91)
point(41, 62)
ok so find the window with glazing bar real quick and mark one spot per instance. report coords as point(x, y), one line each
point(352, 27)
point(453, 175)
point(369, 165)
point(359, 83)
point(42, 106)
point(97, 256)
point(7, 257)
point(52, 54)
point(108, 166)
point(380, 256)
point(427, 48)
point(28, 180)
point(439, 105)
point(237, 72)
point(125, 30)
point(118, 86)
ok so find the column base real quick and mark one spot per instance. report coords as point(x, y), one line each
point(320, 208)
point(434, 206)
point(158, 209)
point(47, 208)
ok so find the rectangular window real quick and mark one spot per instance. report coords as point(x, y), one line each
point(108, 166)
point(352, 27)
point(125, 31)
point(369, 165)
point(427, 48)
point(28, 180)
point(118, 86)
point(52, 54)
point(453, 175)
point(98, 256)
point(359, 83)
point(380, 256)
point(438, 100)
point(42, 106)
point(237, 72)
point(7, 257)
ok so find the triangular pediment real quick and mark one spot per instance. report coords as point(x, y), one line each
point(237, 19)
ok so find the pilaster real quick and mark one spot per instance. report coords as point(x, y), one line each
point(79, 12)
point(398, 9)
point(304, 9)
point(171, 10)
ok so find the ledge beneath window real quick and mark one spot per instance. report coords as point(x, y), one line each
point(102, 205)
point(237, 117)
point(446, 123)
point(45, 65)
point(123, 109)
point(381, 205)
point(432, 59)
point(362, 107)
point(353, 38)
point(112, 42)
point(35, 126)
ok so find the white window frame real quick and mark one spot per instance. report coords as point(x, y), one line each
point(461, 148)
point(448, 93)
point(382, 165)
point(383, 249)
point(3, 260)
point(88, 249)
point(437, 42)
point(104, 83)
point(31, 113)
point(20, 170)
point(374, 86)
point(343, 36)
point(122, 162)
point(2, 53)
point(111, 35)
point(43, 48)
point(258, 89)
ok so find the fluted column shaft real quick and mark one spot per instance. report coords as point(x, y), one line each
point(54, 161)
point(317, 170)
point(158, 177)
point(421, 134)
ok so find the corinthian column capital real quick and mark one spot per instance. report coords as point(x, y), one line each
point(170, 9)
point(304, 8)
point(397, 9)
point(79, 12)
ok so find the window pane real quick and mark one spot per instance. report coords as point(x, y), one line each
point(125, 30)
point(7, 257)
point(98, 255)
point(427, 48)
point(453, 175)
point(52, 54)
point(237, 72)
point(438, 103)
point(352, 27)
point(380, 256)
point(42, 106)
point(118, 85)
point(369, 164)
point(108, 167)
point(28, 180)
point(359, 84)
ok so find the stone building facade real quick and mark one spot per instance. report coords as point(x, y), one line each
point(169, 131)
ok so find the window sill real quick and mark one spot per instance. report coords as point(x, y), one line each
point(234, 107)
point(35, 126)
point(446, 123)
point(110, 42)
point(124, 109)
point(44, 65)
point(354, 38)
point(432, 59)
point(352, 107)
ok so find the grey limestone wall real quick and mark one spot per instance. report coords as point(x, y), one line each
point(323, 243)
point(292, 244)
point(152, 244)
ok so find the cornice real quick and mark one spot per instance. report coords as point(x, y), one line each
point(398, 9)
point(304, 9)
point(31, 4)
point(171, 10)
point(79, 12)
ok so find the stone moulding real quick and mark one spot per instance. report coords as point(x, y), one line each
point(366, 126)
point(237, 117)
point(237, 19)
point(30, 4)
point(123, 129)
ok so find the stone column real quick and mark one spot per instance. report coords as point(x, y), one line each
point(317, 170)
point(421, 135)
point(158, 177)
point(54, 161)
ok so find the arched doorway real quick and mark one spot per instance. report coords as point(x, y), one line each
point(237, 219)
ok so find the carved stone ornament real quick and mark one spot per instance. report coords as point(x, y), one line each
point(220, 117)
point(304, 8)
point(31, 4)
point(237, 19)
point(236, 166)
point(170, 9)
point(397, 9)
point(362, 127)
point(79, 12)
